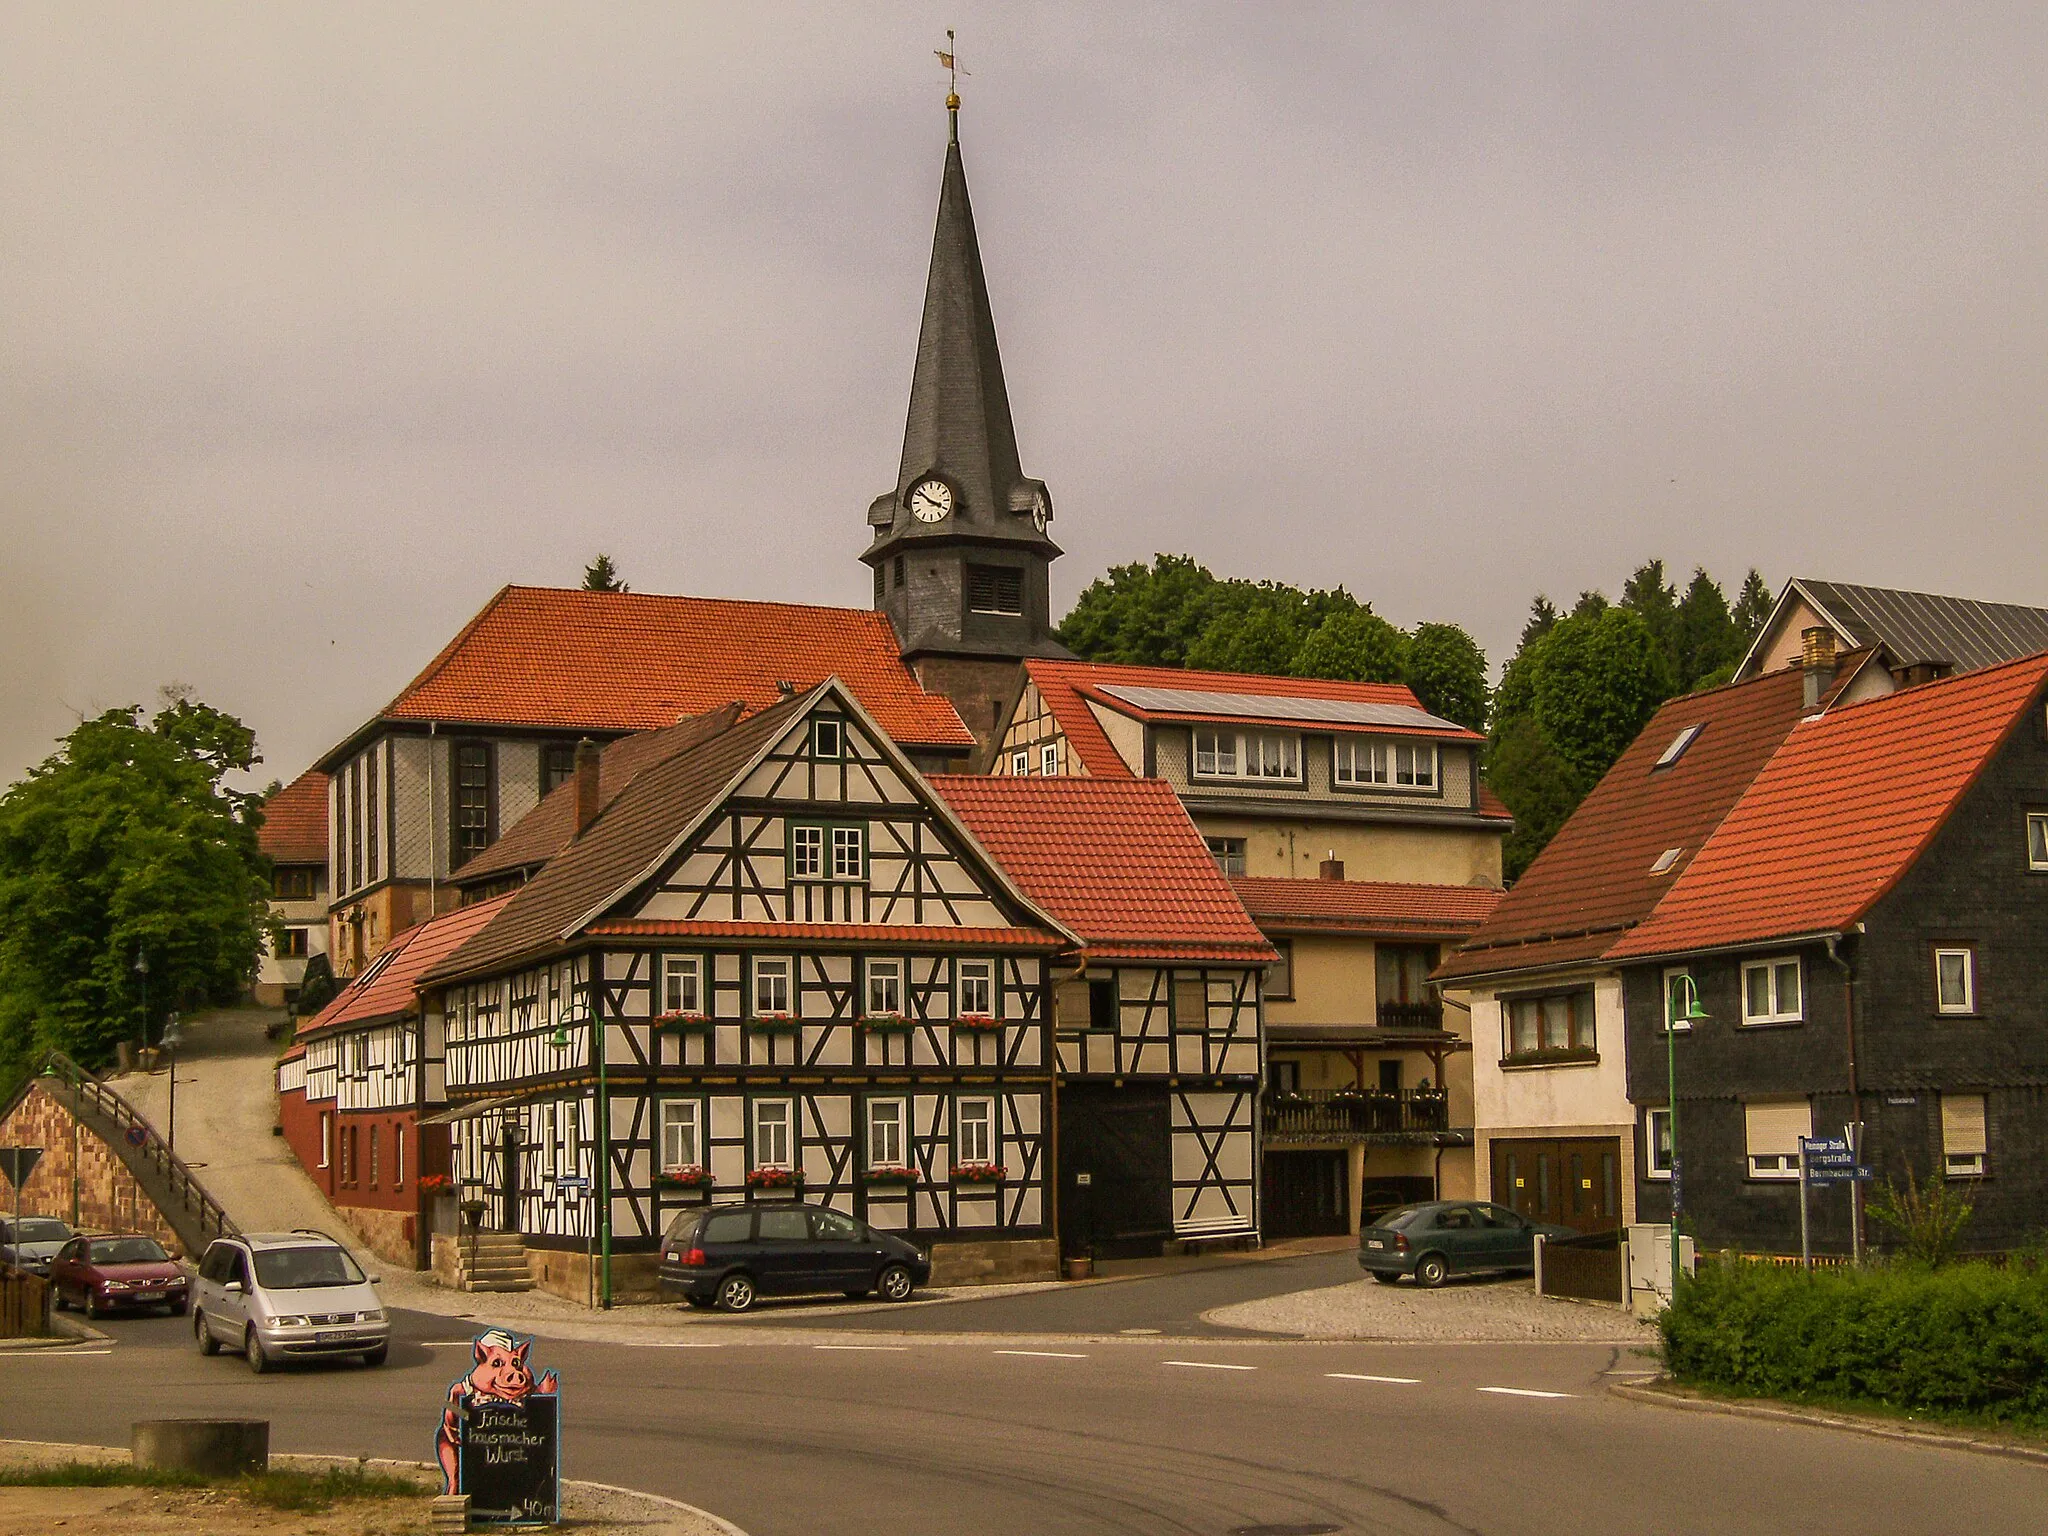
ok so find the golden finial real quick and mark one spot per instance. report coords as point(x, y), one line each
point(953, 72)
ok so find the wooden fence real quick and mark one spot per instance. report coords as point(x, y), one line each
point(24, 1304)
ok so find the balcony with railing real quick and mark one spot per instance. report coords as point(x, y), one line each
point(1412, 1115)
point(1409, 1017)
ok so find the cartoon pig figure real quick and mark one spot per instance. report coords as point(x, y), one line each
point(500, 1375)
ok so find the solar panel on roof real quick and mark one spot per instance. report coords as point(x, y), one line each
point(1266, 706)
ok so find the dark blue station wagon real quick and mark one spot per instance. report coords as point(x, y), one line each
point(728, 1255)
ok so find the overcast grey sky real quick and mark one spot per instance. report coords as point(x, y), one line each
point(317, 324)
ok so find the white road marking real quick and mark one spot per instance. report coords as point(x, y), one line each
point(446, 1343)
point(50, 1354)
point(1392, 1381)
point(875, 1349)
point(1207, 1365)
point(1042, 1354)
point(1522, 1392)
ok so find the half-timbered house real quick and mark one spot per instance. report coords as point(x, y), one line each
point(1158, 1017)
point(775, 961)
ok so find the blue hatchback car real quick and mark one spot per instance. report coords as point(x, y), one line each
point(1442, 1238)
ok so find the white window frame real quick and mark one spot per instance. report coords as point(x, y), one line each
point(1775, 1165)
point(771, 968)
point(1049, 759)
point(1233, 754)
point(883, 978)
point(985, 1105)
point(849, 853)
point(1967, 1161)
point(1772, 968)
point(550, 1140)
point(970, 976)
point(2037, 841)
point(326, 1138)
point(821, 727)
point(896, 1123)
point(685, 1118)
point(1679, 743)
point(1373, 762)
point(1655, 1167)
point(1020, 763)
point(682, 984)
point(398, 1157)
point(787, 1108)
point(1671, 979)
point(807, 852)
point(1968, 1003)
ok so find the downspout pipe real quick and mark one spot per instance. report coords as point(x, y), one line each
point(1833, 944)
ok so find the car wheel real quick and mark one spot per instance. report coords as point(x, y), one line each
point(57, 1299)
point(252, 1351)
point(92, 1306)
point(894, 1283)
point(735, 1293)
point(208, 1344)
point(375, 1357)
point(1385, 1276)
point(1431, 1270)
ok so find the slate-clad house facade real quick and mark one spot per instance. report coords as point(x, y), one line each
point(791, 968)
point(1865, 931)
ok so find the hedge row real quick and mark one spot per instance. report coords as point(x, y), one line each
point(1969, 1338)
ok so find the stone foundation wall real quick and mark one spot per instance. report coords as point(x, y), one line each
point(109, 1199)
point(1005, 1262)
point(388, 1234)
point(567, 1273)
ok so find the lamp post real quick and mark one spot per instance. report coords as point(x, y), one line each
point(174, 1036)
point(142, 970)
point(1681, 1006)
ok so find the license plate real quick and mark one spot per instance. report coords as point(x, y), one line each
point(334, 1337)
point(1373, 1242)
point(149, 1295)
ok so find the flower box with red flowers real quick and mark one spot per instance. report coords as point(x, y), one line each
point(687, 1176)
point(436, 1184)
point(682, 1023)
point(774, 1023)
point(775, 1178)
point(892, 1173)
point(886, 1024)
point(977, 1024)
point(979, 1173)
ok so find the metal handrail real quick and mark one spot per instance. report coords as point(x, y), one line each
point(212, 1217)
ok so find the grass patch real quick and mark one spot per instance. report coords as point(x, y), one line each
point(295, 1491)
point(1983, 1426)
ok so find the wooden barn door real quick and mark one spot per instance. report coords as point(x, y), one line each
point(1121, 1140)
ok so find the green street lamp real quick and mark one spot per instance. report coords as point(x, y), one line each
point(1681, 1010)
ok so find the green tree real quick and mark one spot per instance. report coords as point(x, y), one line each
point(1358, 646)
point(1654, 600)
point(125, 845)
point(602, 576)
point(1534, 782)
point(1709, 644)
point(1141, 615)
point(1752, 606)
point(1598, 678)
point(1447, 670)
point(1260, 640)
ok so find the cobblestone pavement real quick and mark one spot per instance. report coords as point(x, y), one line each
point(1500, 1311)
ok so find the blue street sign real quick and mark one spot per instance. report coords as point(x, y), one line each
point(1846, 1175)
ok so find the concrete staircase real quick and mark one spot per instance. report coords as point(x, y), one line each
point(492, 1261)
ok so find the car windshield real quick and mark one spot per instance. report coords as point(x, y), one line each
point(296, 1269)
point(33, 1230)
point(129, 1250)
point(1404, 1217)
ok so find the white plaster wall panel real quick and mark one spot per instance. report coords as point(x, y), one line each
point(1124, 733)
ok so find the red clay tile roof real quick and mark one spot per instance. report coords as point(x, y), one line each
point(550, 826)
point(1062, 684)
point(833, 933)
point(635, 661)
point(1116, 861)
point(388, 987)
point(294, 829)
point(1364, 906)
point(1841, 812)
point(1593, 881)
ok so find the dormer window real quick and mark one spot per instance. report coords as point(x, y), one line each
point(1247, 755)
point(1676, 750)
point(1360, 763)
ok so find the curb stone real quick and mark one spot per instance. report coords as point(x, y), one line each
point(68, 1331)
point(1664, 1397)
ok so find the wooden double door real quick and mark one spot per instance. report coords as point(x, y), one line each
point(1569, 1181)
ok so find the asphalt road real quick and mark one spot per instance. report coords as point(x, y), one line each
point(803, 1433)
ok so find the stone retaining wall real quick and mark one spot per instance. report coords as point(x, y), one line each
point(109, 1198)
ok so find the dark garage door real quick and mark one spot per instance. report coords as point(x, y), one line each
point(1304, 1195)
point(1122, 1139)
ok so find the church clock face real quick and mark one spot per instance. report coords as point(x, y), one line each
point(931, 501)
point(1041, 509)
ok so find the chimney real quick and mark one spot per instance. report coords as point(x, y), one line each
point(588, 803)
point(1817, 660)
point(1331, 868)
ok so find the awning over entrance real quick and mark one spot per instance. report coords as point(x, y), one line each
point(469, 1111)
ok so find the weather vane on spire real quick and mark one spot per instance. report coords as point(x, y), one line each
point(953, 72)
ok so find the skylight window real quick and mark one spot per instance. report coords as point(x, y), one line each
point(1665, 860)
point(1678, 745)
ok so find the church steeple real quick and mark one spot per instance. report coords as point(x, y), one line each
point(960, 548)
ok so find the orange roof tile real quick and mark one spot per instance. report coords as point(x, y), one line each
point(1117, 861)
point(1594, 881)
point(294, 829)
point(1840, 813)
point(828, 933)
point(631, 661)
point(1364, 906)
point(1064, 684)
point(388, 986)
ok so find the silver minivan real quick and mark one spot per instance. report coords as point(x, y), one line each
point(276, 1296)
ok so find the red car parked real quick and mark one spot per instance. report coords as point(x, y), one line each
point(116, 1270)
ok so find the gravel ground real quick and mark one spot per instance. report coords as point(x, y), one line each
point(1501, 1311)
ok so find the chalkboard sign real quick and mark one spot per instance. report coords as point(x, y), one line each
point(501, 1436)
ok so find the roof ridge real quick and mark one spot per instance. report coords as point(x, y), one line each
point(692, 597)
point(448, 652)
